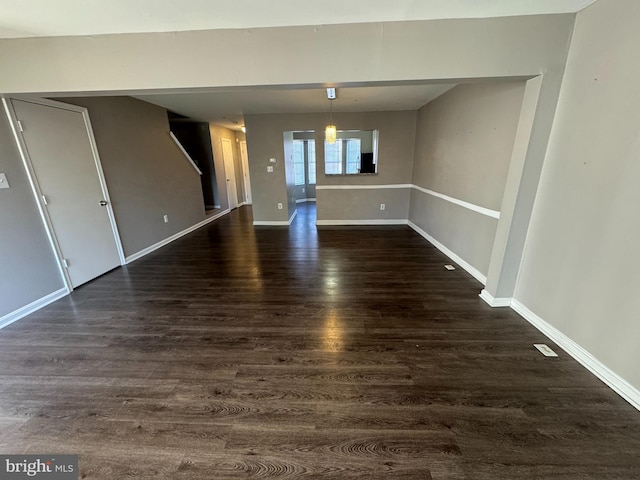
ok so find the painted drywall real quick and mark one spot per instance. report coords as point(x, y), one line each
point(464, 141)
point(147, 175)
point(363, 204)
point(368, 52)
point(29, 270)
point(395, 158)
point(581, 263)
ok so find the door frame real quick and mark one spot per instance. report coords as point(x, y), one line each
point(35, 187)
point(232, 178)
point(245, 172)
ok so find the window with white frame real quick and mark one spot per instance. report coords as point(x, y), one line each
point(298, 162)
point(311, 161)
point(353, 155)
point(333, 158)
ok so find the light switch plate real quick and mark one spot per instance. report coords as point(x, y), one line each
point(4, 183)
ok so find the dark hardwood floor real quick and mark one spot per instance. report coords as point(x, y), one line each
point(257, 352)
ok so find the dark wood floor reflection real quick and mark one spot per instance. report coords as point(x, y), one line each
point(257, 352)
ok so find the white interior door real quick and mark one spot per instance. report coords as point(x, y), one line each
point(229, 172)
point(67, 175)
point(245, 172)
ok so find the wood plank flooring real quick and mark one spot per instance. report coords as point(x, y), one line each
point(257, 352)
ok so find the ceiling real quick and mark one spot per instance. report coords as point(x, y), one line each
point(42, 18)
point(227, 106)
point(37, 18)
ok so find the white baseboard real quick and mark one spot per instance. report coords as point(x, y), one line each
point(22, 312)
point(268, 223)
point(591, 363)
point(474, 272)
point(242, 204)
point(276, 223)
point(378, 221)
point(166, 241)
point(494, 302)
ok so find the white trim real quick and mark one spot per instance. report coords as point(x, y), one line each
point(494, 302)
point(362, 187)
point(242, 204)
point(184, 152)
point(276, 223)
point(474, 272)
point(35, 188)
point(305, 200)
point(476, 208)
point(470, 206)
point(22, 312)
point(103, 185)
point(377, 221)
point(162, 243)
point(591, 363)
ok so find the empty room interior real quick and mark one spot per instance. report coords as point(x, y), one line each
point(360, 239)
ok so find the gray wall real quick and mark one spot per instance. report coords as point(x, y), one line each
point(581, 263)
point(29, 269)
point(464, 141)
point(147, 175)
point(395, 159)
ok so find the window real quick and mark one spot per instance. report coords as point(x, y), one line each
point(333, 158)
point(353, 155)
point(355, 152)
point(298, 162)
point(311, 159)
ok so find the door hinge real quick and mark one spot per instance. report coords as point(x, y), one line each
point(44, 200)
point(20, 127)
point(65, 262)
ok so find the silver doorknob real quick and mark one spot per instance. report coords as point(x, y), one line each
point(103, 203)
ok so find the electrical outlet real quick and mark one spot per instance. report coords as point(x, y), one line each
point(4, 183)
point(269, 169)
point(449, 267)
point(279, 206)
point(166, 219)
point(382, 206)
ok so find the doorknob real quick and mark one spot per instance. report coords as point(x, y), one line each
point(103, 203)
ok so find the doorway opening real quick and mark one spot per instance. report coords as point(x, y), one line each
point(195, 138)
point(304, 166)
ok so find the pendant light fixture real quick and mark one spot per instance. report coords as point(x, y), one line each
point(330, 132)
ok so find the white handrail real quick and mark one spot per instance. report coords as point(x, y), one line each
point(185, 153)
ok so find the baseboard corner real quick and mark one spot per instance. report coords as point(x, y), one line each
point(494, 302)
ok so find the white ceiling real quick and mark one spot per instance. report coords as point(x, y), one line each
point(37, 18)
point(227, 107)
